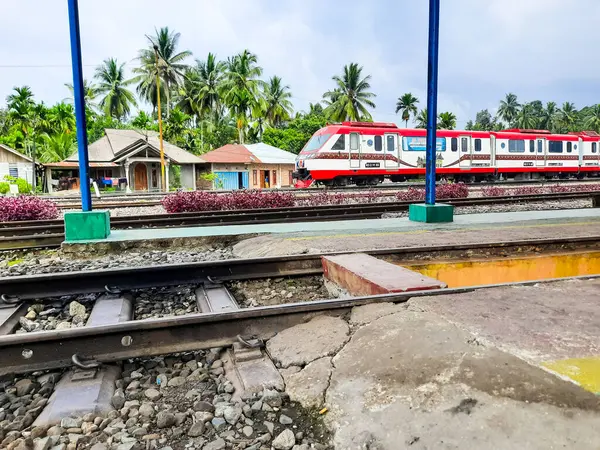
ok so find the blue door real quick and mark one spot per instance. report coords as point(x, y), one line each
point(245, 180)
point(232, 180)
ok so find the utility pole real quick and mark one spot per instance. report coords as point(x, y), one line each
point(160, 127)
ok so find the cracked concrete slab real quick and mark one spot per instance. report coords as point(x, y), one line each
point(368, 313)
point(415, 380)
point(304, 343)
point(308, 386)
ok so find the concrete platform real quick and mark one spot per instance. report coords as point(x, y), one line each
point(362, 274)
point(308, 236)
point(464, 371)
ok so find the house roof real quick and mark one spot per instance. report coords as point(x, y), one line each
point(117, 145)
point(250, 154)
point(15, 152)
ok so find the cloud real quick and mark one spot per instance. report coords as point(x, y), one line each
point(538, 49)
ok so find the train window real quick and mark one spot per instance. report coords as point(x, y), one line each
point(555, 147)
point(574, 146)
point(477, 145)
point(454, 144)
point(378, 143)
point(390, 143)
point(531, 146)
point(340, 144)
point(516, 146)
point(503, 146)
point(569, 147)
point(353, 141)
point(540, 146)
point(594, 147)
point(464, 144)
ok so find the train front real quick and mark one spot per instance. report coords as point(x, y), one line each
point(306, 160)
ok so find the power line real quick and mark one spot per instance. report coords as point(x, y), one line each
point(41, 66)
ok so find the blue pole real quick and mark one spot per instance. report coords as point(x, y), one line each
point(84, 169)
point(432, 88)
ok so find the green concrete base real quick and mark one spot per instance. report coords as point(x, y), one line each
point(437, 213)
point(81, 226)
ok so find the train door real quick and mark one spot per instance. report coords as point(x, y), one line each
point(354, 153)
point(392, 154)
point(466, 151)
point(542, 150)
point(580, 149)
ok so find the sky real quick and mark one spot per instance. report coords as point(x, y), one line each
point(539, 49)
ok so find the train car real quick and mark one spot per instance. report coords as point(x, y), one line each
point(367, 153)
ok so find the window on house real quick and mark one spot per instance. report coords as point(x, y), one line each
point(516, 146)
point(354, 141)
point(378, 143)
point(555, 147)
point(13, 170)
point(255, 177)
point(569, 147)
point(477, 145)
point(340, 144)
point(454, 144)
point(531, 146)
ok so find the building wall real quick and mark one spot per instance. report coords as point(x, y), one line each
point(187, 176)
point(229, 174)
point(9, 157)
point(23, 170)
point(280, 173)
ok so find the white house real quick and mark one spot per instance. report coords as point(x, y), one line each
point(15, 164)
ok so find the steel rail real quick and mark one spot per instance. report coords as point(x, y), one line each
point(48, 286)
point(151, 337)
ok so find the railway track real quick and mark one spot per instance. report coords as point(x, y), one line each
point(135, 338)
point(49, 233)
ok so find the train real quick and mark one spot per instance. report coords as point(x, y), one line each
point(368, 153)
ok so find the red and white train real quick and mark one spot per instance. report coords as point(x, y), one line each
point(367, 153)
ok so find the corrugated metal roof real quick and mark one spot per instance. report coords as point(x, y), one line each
point(268, 154)
point(250, 154)
point(117, 141)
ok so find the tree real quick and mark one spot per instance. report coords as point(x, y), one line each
point(61, 118)
point(351, 97)
point(592, 120)
point(241, 87)
point(509, 109)
point(20, 108)
point(526, 117)
point(211, 75)
point(170, 67)
point(567, 117)
point(407, 106)
point(57, 147)
point(143, 121)
point(117, 100)
point(277, 101)
point(550, 117)
point(421, 119)
point(446, 121)
point(296, 133)
point(90, 93)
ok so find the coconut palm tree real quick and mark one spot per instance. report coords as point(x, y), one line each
point(117, 100)
point(61, 118)
point(170, 67)
point(421, 119)
point(241, 87)
point(277, 99)
point(211, 75)
point(526, 118)
point(446, 121)
point(592, 119)
point(550, 119)
point(567, 116)
point(509, 109)
point(407, 106)
point(90, 93)
point(57, 147)
point(351, 97)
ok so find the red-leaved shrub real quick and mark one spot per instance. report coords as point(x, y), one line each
point(494, 191)
point(411, 195)
point(527, 190)
point(453, 190)
point(197, 201)
point(26, 207)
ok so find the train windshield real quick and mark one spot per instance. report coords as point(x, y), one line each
point(316, 142)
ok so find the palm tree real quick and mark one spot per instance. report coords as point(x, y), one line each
point(407, 105)
point(549, 119)
point(509, 109)
point(211, 76)
point(526, 118)
point(278, 104)
point(351, 97)
point(57, 147)
point(240, 89)
point(142, 121)
point(421, 119)
point(90, 92)
point(61, 118)
point(20, 108)
point(117, 100)
point(567, 116)
point(447, 121)
point(592, 120)
point(170, 67)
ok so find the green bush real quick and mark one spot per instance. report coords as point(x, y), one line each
point(4, 187)
point(24, 186)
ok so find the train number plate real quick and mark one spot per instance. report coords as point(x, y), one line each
point(371, 164)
